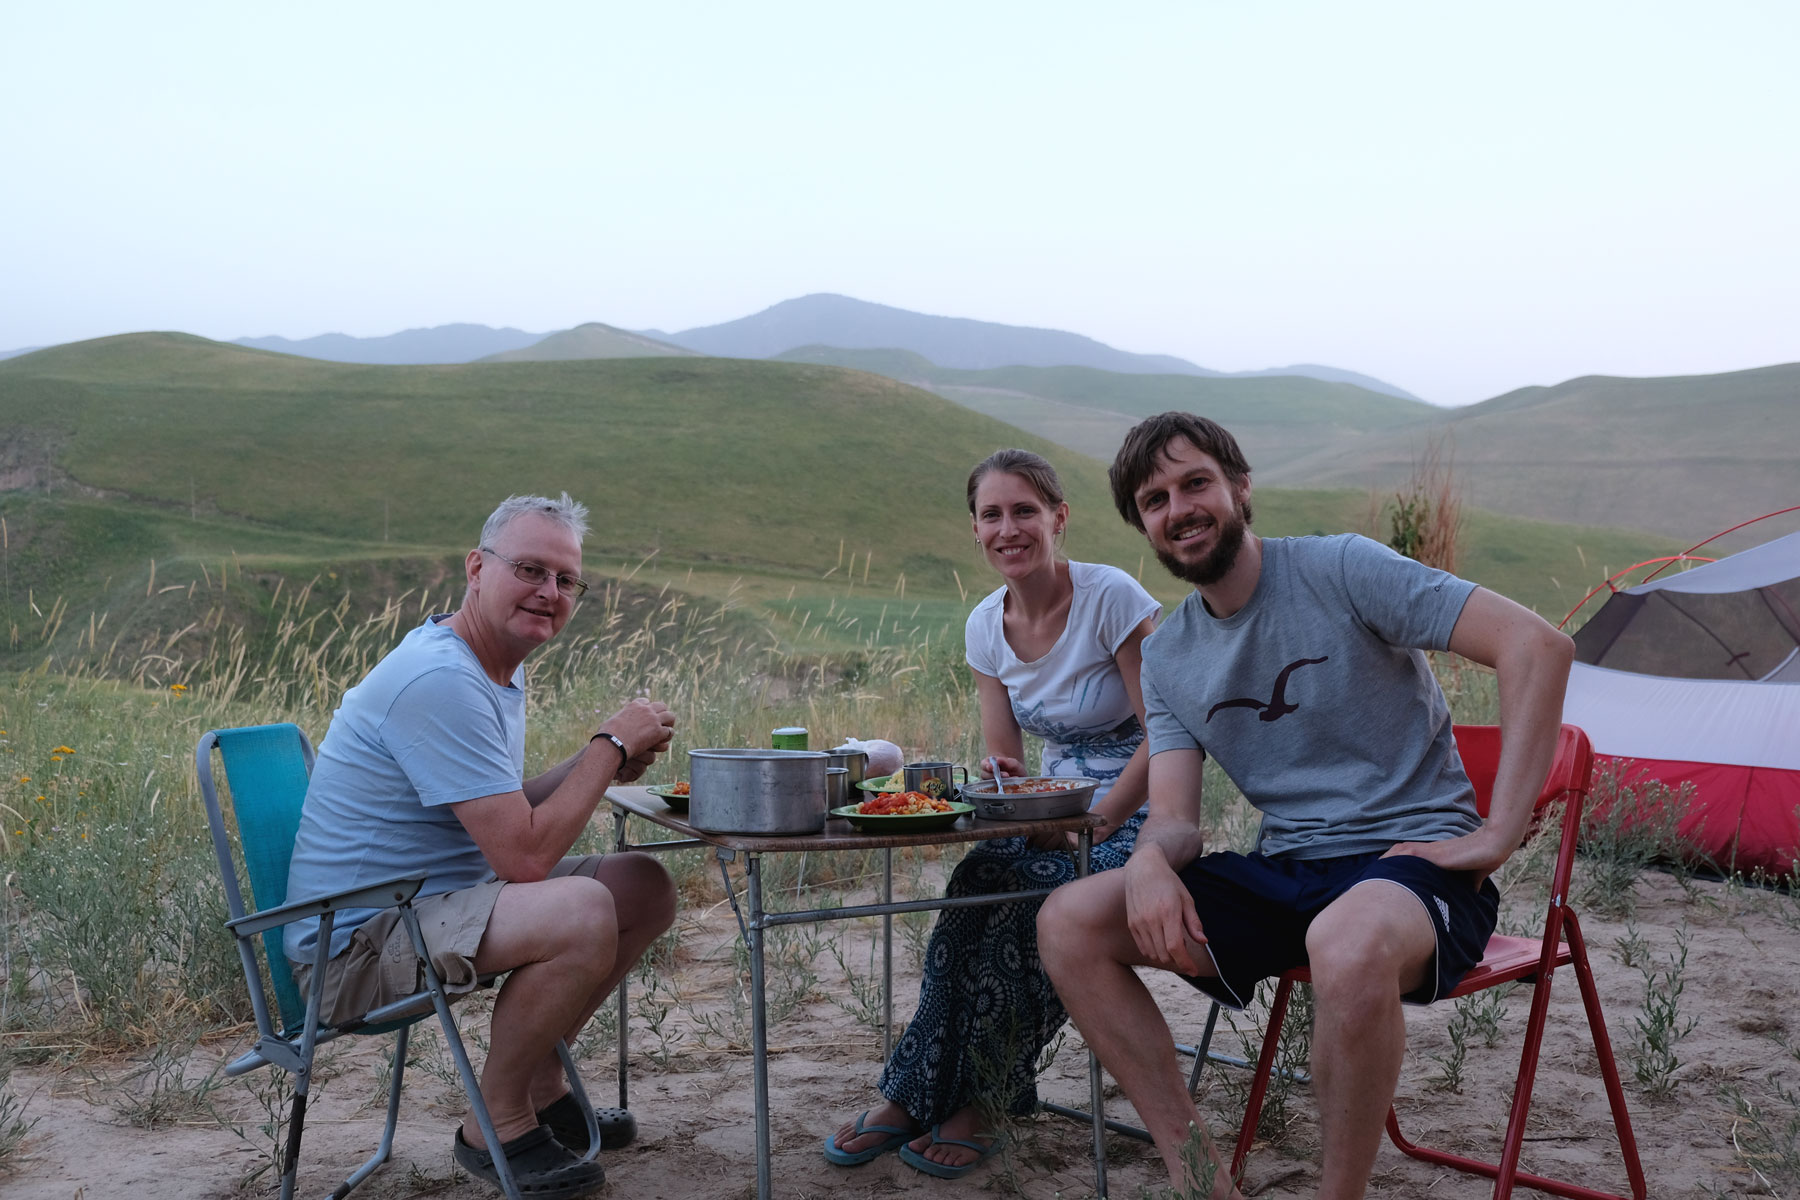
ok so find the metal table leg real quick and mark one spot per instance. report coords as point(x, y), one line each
point(1095, 1105)
point(619, 844)
point(887, 959)
point(759, 1030)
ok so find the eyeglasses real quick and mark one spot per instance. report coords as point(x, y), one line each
point(534, 574)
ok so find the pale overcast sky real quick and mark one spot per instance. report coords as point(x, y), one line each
point(1459, 198)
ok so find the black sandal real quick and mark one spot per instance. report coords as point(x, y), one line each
point(542, 1167)
point(618, 1128)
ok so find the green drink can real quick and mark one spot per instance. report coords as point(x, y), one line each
point(788, 737)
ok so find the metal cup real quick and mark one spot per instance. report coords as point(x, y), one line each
point(837, 787)
point(854, 761)
point(935, 779)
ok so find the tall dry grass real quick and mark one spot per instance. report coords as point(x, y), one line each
point(1425, 517)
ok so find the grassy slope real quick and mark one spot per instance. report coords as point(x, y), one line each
point(1276, 418)
point(762, 482)
point(1682, 456)
point(593, 340)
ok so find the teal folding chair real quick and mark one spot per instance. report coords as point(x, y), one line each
point(266, 769)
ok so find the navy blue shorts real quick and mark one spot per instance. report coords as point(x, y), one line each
point(1256, 911)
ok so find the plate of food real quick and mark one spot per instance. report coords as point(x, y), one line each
point(883, 783)
point(903, 812)
point(675, 795)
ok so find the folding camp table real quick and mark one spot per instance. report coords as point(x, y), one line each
point(628, 802)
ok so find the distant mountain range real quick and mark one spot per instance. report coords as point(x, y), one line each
point(822, 319)
point(439, 344)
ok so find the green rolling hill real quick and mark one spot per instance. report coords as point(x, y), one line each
point(765, 483)
point(593, 340)
point(1683, 456)
point(1277, 419)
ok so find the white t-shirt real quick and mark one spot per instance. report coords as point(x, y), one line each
point(1073, 697)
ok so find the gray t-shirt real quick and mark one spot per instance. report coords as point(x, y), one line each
point(1317, 700)
point(425, 730)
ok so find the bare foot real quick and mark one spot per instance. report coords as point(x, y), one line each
point(886, 1113)
point(964, 1125)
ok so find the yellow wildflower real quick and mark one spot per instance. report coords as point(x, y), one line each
point(24, 779)
point(178, 687)
point(63, 750)
point(56, 758)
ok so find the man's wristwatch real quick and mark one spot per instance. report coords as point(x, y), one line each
point(618, 744)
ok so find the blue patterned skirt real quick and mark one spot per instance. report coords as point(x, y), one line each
point(986, 1008)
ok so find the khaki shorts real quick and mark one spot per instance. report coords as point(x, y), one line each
point(379, 966)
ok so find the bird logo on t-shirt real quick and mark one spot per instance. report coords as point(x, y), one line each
point(1277, 706)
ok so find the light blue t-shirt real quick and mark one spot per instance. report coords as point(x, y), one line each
point(423, 730)
point(1316, 700)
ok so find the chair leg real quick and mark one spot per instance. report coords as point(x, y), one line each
point(471, 1086)
point(1514, 1142)
point(1505, 1173)
point(386, 1148)
point(1609, 1070)
point(1203, 1049)
point(453, 1042)
point(581, 1100)
point(290, 1155)
point(1265, 1065)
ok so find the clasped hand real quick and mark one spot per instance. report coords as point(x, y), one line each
point(646, 727)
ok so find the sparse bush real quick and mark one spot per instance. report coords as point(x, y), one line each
point(1765, 1132)
point(1660, 1026)
point(1629, 825)
point(158, 1092)
point(1292, 1057)
point(1477, 1017)
point(14, 1128)
point(1425, 519)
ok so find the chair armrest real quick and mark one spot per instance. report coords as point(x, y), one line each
point(386, 894)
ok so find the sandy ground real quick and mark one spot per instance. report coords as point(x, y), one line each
point(692, 1092)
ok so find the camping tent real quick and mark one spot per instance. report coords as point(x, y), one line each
point(1696, 677)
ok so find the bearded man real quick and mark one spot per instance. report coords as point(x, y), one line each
point(1298, 664)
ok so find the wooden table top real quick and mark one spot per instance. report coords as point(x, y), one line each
point(838, 834)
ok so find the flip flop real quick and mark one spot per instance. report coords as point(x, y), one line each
point(848, 1158)
point(919, 1162)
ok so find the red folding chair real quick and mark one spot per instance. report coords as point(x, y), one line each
point(1507, 959)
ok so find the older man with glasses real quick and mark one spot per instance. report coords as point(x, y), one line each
point(424, 767)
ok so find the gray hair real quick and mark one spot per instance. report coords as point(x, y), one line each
point(565, 511)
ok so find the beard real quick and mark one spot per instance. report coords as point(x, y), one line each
point(1216, 563)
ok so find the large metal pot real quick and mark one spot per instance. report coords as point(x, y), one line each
point(1069, 798)
point(757, 791)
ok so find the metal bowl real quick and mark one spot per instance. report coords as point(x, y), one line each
point(1069, 798)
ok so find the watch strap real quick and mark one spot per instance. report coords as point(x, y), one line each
point(618, 744)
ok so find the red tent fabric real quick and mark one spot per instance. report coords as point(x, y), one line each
point(1696, 678)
